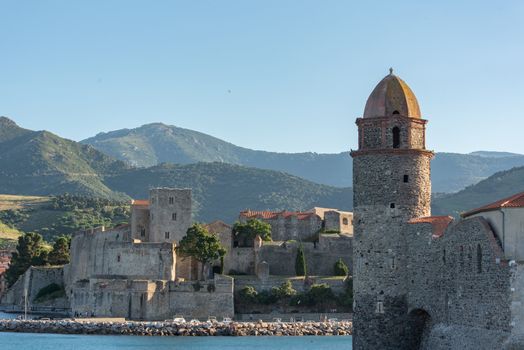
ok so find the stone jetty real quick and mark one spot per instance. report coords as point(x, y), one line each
point(168, 328)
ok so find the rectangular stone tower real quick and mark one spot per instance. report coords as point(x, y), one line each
point(169, 214)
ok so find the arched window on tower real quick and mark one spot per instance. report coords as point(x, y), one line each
point(396, 137)
point(396, 112)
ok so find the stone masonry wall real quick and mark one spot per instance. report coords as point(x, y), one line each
point(462, 282)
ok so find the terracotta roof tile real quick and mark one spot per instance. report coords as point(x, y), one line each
point(514, 201)
point(275, 214)
point(438, 223)
point(140, 202)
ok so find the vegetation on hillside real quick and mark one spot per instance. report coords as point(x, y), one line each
point(497, 186)
point(65, 214)
point(157, 143)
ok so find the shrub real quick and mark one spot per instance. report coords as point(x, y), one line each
point(341, 269)
point(266, 297)
point(346, 298)
point(284, 291)
point(319, 293)
point(248, 294)
point(300, 262)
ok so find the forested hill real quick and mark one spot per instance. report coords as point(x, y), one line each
point(156, 143)
point(42, 163)
point(500, 185)
point(221, 191)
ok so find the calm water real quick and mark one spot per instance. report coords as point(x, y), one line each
point(27, 341)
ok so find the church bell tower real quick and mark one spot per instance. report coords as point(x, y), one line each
point(391, 185)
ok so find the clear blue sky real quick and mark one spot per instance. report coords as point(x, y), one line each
point(277, 75)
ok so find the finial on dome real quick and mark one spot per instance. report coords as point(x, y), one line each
point(390, 70)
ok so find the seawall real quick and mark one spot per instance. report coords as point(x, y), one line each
point(169, 328)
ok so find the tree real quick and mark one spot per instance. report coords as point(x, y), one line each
point(300, 262)
point(60, 253)
point(341, 269)
point(201, 245)
point(246, 232)
point(30, 251)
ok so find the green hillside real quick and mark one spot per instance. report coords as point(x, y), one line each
point(41, 163)
point(157, 143)
point(57, 215)
point(221, 191)
point(497, 186)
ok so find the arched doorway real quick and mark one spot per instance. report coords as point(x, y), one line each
point(419, 324)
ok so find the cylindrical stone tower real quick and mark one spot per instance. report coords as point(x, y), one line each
point(391, 185)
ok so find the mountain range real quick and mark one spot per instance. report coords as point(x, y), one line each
point(42, 163)
point(156, 143)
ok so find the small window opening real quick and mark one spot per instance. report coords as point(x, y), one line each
point(406, 178)
point(479, 259)
point(396, 112)
point(380, 307)
point(444, 256)
point(396, 137)
point(142, 232)
point(118, 258)
point(392, 205)
point(345, 221)
point(167, 235)
point(173, 216)
point(171, 200)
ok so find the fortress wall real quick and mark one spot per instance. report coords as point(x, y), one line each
point(241, 260)
point(320, 262)
point(99, 253)
point(463, 282)
point(34, 279)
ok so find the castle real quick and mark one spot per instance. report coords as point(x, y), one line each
point(133, 271)
point(422, 281)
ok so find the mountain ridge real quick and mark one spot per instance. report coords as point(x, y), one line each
point(155, 143)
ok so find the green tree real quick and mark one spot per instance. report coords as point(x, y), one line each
point(30, 251)
point(341, 269)
point(59, 255)
point(300, 262)
point(201, 245)
point(246, 232)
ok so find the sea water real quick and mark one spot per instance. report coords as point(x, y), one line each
point(30, 341)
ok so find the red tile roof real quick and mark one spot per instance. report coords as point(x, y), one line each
point(276, 214)
point(515, 201)
point(438, 223)
point(140, 202)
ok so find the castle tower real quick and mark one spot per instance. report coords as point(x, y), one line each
point(170, 214)
point(391, 184)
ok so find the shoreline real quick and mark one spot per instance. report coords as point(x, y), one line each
point(169, 328)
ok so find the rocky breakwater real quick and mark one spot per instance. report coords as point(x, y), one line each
point(178, 329)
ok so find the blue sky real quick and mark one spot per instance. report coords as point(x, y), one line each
point(283, 75)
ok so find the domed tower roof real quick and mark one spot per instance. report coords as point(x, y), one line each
point(390, 97)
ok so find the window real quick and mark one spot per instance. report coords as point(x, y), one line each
point(406, 178)
point(166, 234)
point(396, 137)
point(380, 307)
point(345, 221)
point(152, 200)
point(396, 112)
point(392, 205)
point(444, 256)
point(118, 258)
point(173, 216)
point(479, 259)
point(171, 200)
point(142, 232)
